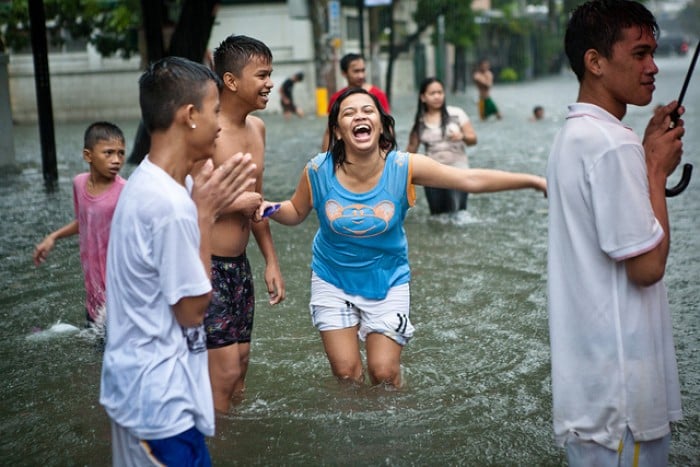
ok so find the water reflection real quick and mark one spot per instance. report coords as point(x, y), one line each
point(477, 372)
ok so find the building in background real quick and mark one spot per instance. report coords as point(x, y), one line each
point(87, 86)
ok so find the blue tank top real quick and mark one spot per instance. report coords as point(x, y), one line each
point(361, 245)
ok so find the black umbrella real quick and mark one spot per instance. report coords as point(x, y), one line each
point(687, 168)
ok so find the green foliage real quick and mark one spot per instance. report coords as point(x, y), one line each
point(508, 75)
point(502, 4)
point(110, 25)
point(116, 31)
point(460, 28)
point(550, 53)
point(570, 5)
point(14, 24)
point(690, 17)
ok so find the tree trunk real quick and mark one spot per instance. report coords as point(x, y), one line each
point(190, 39)
point(317, 15)
point(459, 81)
point(193, 29)
point(152, 13)
point(552, 16)
point(396, 49)
point(392, 54)
point(42, 83)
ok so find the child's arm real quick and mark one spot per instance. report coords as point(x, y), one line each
point(273, 275)
point(483, 80)
point(274, 282)
point(42, 250)
point(428, 172)
point(246, 204)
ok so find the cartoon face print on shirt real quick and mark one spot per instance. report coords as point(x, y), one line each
point(359, 220)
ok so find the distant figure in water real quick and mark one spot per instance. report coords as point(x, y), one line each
point(290, 107)
point(483, 79)
point(537, 113)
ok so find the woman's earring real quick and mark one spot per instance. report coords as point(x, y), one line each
point(193, 126)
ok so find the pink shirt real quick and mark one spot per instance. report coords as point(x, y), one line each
point(94, 215)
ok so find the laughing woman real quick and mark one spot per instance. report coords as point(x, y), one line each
point(361, 190)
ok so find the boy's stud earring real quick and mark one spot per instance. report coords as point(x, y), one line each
point(193, 126)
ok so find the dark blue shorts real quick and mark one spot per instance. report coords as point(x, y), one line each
point(186, 449)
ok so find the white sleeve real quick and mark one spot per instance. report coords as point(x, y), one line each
point(176, 255)
point(624, 218)
point(458, 113)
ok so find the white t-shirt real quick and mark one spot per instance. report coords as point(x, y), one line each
point(613, 359)
point(440, 147)
point(155, 380)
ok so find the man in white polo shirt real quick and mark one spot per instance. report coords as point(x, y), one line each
point(614, 376)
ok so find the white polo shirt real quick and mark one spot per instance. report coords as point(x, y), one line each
point(613, 358)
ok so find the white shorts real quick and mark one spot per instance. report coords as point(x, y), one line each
point(584, 453)
point(333, 309)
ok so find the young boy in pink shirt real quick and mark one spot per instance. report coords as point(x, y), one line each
point(95, 195)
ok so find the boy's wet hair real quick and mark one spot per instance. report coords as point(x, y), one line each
point(387, 141)
point(236, 51)
point(167, 85)
point(598, 25)
point(101, 131)
point(348, 59)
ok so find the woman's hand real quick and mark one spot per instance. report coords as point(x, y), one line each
point(266, 209)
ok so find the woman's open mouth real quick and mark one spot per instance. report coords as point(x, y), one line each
point(362, 132)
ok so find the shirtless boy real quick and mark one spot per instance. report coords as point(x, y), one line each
point(244, 64)
point(483, 79)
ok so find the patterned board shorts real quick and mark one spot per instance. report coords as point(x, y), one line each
point(229, 317)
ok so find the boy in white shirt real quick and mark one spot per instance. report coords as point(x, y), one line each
point(155, 384)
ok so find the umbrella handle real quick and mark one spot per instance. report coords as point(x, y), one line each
point(683, 184)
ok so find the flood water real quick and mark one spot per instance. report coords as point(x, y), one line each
point(477, 378)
